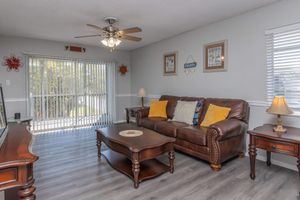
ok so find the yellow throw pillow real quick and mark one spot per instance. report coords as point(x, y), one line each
point(215, 114)
point(158, 109)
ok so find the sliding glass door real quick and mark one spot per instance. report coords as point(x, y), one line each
point(66, 93)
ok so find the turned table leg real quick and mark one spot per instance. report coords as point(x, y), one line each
point(136, 172)
point(298, 166)
point(127, 115)
point(252, 155)
point(99, 145)
point(268, 158)
point(171, 160)
point(26, 191)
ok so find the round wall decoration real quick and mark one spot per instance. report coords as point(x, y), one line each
point(12, 62)
point(131, 133)
point(123, 69)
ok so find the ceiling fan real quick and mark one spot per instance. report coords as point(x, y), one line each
point(111, 35)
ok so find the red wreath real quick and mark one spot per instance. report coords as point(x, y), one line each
point(12, 63)
point(123, 69)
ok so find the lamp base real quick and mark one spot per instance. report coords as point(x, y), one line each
point(279, 129)
point(142, 102)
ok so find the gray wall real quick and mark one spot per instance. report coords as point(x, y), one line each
point(15, 93)
point(246, 75)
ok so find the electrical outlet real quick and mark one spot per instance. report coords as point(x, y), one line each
point(7, 82)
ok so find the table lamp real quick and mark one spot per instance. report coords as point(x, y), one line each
point(279, 107)
point(142, 94)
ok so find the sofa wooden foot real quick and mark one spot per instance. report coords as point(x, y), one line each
point(241, 155)
point(215, 167)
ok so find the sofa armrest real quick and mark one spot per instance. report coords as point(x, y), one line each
point(142, 113)
point(229, 128)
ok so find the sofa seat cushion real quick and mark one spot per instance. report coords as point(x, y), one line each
point(193, 134)
point(169, 128)
point(149, 122)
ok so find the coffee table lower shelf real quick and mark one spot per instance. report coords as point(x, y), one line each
point(148, 168)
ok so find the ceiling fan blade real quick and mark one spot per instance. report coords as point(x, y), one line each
point(96, 27)
point(130, 30)
point(132, 38)
point(85, 36)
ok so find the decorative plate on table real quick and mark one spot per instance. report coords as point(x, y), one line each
point(131, 133)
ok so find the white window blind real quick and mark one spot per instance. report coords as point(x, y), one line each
point(68, 93)
point(283, 64)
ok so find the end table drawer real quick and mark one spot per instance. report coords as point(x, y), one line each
point(8, 176)
point(132, 113)
point(281, 147)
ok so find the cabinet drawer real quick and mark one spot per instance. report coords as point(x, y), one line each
point(274, 146)
point(8, 176)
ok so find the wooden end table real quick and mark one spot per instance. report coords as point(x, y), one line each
point(263, 137)
point(136, 156)
point(131, 112)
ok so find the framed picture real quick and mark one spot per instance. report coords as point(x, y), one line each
point(170, 63)
point(215, 57)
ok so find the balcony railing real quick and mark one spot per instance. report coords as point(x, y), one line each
point(52, 112)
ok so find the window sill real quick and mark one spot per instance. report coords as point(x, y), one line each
point(296, 113)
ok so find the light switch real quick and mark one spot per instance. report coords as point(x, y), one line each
point(7, 82)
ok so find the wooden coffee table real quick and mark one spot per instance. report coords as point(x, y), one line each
point(136, 156)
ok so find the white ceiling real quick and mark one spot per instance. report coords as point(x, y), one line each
point(61, 20)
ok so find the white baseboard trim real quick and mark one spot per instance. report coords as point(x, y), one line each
point(123, 95)
point(120, 121)
point(124, 121)
point(7, 100)
point(276, 162)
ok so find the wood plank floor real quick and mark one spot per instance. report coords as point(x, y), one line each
point(68, 169)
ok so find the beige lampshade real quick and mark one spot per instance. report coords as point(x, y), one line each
point(142, 92)
point(279, 106)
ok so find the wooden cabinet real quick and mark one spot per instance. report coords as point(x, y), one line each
point(16, 164)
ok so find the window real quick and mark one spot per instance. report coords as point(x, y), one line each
point(67, 93)
point(283, 63)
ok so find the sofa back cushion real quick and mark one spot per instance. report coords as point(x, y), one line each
point(199, 107)
point(172, 102)
point(185, 111)
point(239, 108)
point(158, 109)
point(215, 114)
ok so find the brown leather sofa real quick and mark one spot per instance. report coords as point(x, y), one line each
point(215, 144)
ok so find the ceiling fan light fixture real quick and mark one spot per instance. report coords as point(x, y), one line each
point(112, 35)
point(111, 42)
